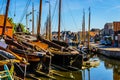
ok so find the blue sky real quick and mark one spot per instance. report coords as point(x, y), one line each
point(102, 11)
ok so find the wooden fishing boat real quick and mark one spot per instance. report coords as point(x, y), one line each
point(33, 54)
point(64, 56)
point(22, 53)
point(61, 56)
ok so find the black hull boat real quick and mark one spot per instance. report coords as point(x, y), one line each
point(70, 62)
point(39, 60)
point(62, 56)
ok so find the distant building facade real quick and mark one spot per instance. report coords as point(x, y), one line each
point(108, 29)
point(116, 36)
point(94, 33)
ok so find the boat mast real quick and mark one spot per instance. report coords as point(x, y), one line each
point(5, 18)
point(83, 27)
point(89, 29)
point(59, 19)
point(32, 18)
point(50, 21)
point(46, 24)
point(39, 20)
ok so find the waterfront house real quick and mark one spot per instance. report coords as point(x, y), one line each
point(9, 26)
point(108, 29)
point(92, 35)
point(116, 36)
point(106, 34)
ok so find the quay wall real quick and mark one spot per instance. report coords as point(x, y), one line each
point(107, 51)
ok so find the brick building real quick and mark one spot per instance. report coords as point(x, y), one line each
point(116, 36)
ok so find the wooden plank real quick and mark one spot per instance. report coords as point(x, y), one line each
point(54, 72)
point(33, 76)
point(72, 68)
point(44, 74)
point(59, 67)
point(3, 71)
point(17, 78)
point(3, 76)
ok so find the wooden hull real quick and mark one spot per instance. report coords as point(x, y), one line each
point(62, 56)
point(30, 57)
point(24, 54)
point(68, 60)
point(65, 58)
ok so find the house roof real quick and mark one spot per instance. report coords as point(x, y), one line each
point(92, 34)
point(8, 24)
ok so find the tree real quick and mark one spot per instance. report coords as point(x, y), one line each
point(20, 28)
point(12, 22)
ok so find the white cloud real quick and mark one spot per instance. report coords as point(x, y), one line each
point(116, 7)
point(113, 8)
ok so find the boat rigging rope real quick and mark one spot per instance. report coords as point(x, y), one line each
point(54, 10)
point(26, 64)
point(25, 71)
point(74, 22)
point(2, 6)
point(13, 12)
point(20, 68)
point(25, 10)
point(15, 9)
point(10, 11)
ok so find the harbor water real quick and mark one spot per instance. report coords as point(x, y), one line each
point(108, 69)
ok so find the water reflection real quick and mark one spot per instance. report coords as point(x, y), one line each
point(112, 64)
point(86, 73)
point(109, 69)
point(72, 75)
